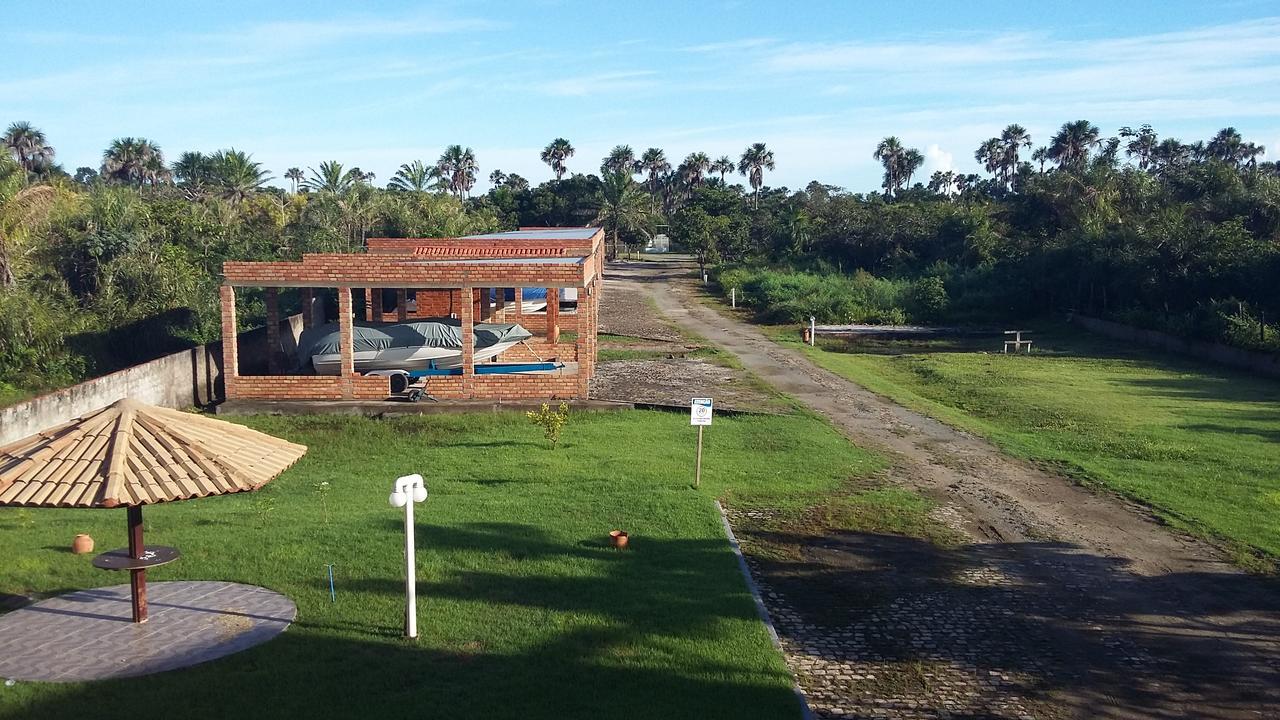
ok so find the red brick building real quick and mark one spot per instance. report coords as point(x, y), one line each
point(402, 279)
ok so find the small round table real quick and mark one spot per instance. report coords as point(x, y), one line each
point(121, 559)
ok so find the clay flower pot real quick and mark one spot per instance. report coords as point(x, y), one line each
point(618, 538)
point(82, 544)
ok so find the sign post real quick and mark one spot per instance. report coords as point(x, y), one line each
point(700, 411)
point(408, 490)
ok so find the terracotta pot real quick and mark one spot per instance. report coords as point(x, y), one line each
point(618, 538)
point(82, 544)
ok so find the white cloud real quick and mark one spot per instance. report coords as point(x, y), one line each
point(938, 160)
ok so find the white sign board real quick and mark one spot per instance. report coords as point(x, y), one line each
point(700, 411)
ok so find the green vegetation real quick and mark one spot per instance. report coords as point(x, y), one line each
point(1195, 442)
point(524, 609)
point(779, 296)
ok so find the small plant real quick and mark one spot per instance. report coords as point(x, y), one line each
point(321, 490)
point(551, 421)
point(263, 505)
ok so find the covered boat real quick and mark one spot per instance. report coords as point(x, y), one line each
point(416, 345)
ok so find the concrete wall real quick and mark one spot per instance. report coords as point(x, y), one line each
point(181, 380)
point(1264, 363)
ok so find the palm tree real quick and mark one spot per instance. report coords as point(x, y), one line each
point(654, 164)
point(135, 161)
point(29, 147)
point(295, 176)
point(1142, 145)
point(912, 159)
point(1040, 155)
point(943, 182)
point(556, 154)
point(755, 160)
point(193, 168)
point(1012, 139)
point(1070, 147)
point(413, 177)
point(516, 182)
point(621, 159)
point(890, 153)
point(497, 177)
point(722, 165)
point(695, 166)
point(1170, 153)
point(236, 175)
point(329, 179)
point(621, 208)
point(989, 153)
point(22, 207)
point(458, 168)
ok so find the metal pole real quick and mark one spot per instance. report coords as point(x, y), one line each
point(733, 298)
point(697, 473)
point(138, 577)
point(813, 331)
point(410, 583)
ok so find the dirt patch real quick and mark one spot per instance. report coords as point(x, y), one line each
point(673, 381)
point(628, 310)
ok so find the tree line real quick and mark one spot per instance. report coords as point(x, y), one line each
point(1148, 229)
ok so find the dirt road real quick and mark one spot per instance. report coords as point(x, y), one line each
point(1066, 603)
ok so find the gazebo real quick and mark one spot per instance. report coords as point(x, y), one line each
point(129, 455)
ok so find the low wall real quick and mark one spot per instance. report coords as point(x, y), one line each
point(1263, 363)
point(184, 379)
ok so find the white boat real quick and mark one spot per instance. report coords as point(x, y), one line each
point(416, 345)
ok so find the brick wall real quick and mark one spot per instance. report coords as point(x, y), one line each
point(309, 387)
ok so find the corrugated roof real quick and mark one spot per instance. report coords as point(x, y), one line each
point(570, 233)
point(129, 453)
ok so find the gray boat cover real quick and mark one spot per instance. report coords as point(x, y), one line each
point(437, 332)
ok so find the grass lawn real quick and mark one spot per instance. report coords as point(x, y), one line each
point(1197, 442)
point(524, 611)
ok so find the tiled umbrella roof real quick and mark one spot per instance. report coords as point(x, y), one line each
point(129, 453)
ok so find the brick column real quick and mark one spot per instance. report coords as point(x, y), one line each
point(553, 315)
point(308, 307)
point(468, 344)
point(500, 303)
point(585, 347)
point(230, 351)
point(370, 308)
point(344, 333)
point(272, 297)
point(402, 304)
point(485, 307)
point(518, 294)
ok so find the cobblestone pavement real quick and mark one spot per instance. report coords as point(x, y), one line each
point(1054, 602)
point(89, 634)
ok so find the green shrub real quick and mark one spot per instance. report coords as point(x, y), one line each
point(787, 296)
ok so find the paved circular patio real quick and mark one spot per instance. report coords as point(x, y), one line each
point(89, 635)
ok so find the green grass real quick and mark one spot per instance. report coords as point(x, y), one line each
point(524, 611)
point(1196, 442)
point(10, 394)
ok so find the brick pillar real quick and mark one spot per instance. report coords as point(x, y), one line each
point(585, 347)
point(553, 315)
point(519, 304)
point(344, 334)
point(369, 307)
point(500, 303)
point(468, 344)
point(402, 304)
point(230, 350)
point(486, 312)
point(272, 296)
point(308, 307)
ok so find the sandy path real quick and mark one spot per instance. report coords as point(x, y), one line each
point(1211, 632)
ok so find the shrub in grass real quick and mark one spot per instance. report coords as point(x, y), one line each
point(551, 421)
point(787, 297)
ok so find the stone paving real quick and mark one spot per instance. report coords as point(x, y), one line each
point(89, 634)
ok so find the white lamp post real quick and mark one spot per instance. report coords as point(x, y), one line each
point(408, 490)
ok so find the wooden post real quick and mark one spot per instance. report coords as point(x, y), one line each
point(697, 473)
point(137, 578)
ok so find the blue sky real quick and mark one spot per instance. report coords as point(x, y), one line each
point(378, 84)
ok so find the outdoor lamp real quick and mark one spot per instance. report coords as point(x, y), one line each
point(406, 488)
